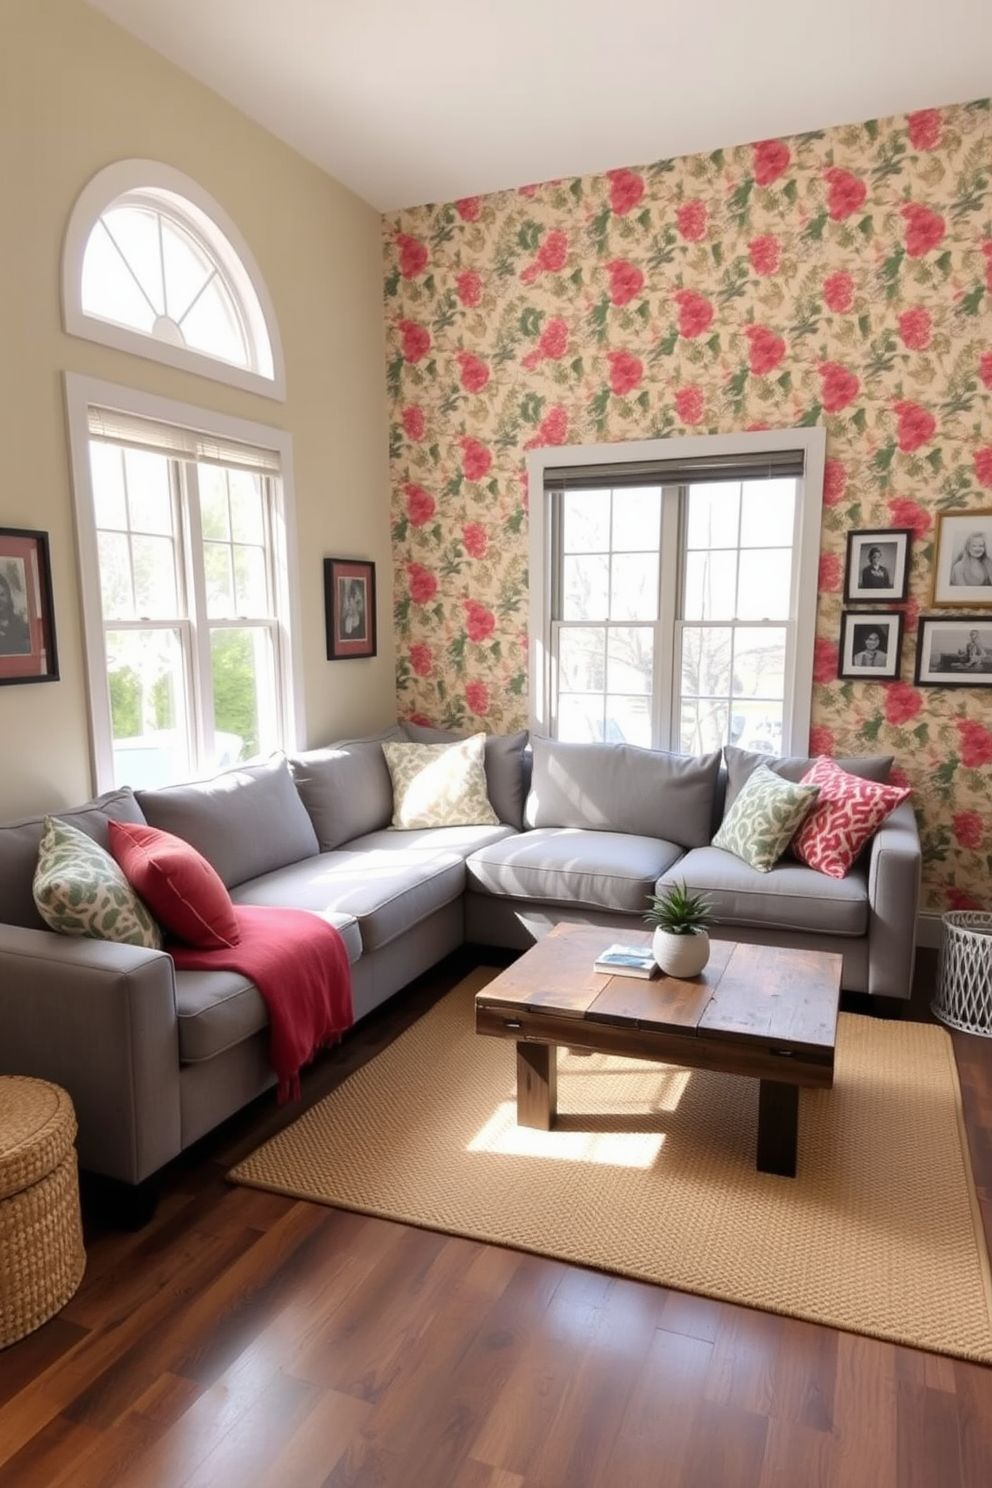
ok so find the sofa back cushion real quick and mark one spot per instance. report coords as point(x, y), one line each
point(507, 767)
point(742, 762)
point(20, 840)
point(245, 822)
point(622, 788)
point(346, 788)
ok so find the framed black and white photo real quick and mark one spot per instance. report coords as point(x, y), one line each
point(877, 565)
point(27, 618)
point(870, 645)
point(962, 559)
point(349, 608)
point(954, 651)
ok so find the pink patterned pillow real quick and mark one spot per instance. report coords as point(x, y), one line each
point(847, 813)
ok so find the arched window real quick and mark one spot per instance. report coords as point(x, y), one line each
point(153, 266)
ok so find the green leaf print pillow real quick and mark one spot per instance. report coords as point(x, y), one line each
point(766, 813)
point(80, 890)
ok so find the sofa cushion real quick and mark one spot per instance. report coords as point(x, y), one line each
point(790, 897)
point(245, 822)
point(622, 788)
point(848, 812)
point(568, 865)
point(219, 1009)
point(80, 890)
point(506, 767)
point(742, 762)
point(765, 814)
point(186, 895)
point(388, 891)
point(440, 785)
point(346, 789)
point(19, 842)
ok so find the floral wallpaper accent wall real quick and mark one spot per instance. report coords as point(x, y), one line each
point(841, 277)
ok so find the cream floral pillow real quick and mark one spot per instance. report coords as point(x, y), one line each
point(80, 890)
point(440, 785)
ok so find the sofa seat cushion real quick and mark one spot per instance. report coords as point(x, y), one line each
point(567, 865)
point(218, 1009)
point(788, 897)
point(387, 891)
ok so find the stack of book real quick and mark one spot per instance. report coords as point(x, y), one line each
point(625, 960)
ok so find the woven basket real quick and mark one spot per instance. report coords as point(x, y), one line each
point(41, 1239)
point(964, 981)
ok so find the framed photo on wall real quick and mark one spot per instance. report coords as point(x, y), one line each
point(27, 621)
point(962, 559)
point(349, 608)
point(870, 645)
point(954, 651)
point(877, 565)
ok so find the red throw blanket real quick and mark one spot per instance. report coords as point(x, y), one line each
point(299, 964)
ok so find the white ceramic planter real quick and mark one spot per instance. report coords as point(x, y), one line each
point(681, 955)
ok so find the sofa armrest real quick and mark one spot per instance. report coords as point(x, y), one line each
point(893, 896)
point(99, 1019)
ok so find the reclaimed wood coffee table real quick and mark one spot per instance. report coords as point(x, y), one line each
point(761, 1011)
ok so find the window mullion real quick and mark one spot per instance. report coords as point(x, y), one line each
point(668, 644)
point(201, 666)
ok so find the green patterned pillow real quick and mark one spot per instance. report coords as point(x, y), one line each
point(80, 890)
point(766, 812)
point(440, 785)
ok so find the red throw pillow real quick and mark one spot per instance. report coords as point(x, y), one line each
point(847, 813)
point(186, 895)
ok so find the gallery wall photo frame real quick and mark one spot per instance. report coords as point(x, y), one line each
point(877, 569)
point(954, 651)
point(870, 645)
point(962, 559)
point(27, 616)
point(349, 608)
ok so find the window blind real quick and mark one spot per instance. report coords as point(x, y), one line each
point(112, 426)
point(766, 465)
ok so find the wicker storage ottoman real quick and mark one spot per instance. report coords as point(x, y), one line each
point(41, 1236)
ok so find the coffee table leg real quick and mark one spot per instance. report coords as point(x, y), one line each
point(778, 1127)
point(537, 1085)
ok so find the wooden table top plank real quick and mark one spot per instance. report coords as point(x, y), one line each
point(777, 993)
point(664, 1002)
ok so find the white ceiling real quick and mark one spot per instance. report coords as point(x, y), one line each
point(412, 101)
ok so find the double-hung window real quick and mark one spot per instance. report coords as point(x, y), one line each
point(674, 588)
point(185, 586)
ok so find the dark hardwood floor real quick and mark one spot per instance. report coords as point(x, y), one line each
point(241, 1339)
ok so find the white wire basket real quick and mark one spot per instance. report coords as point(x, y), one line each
point(964, 979)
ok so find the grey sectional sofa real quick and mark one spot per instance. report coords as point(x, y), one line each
point(154, 1058)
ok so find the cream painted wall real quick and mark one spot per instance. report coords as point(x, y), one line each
point(77, 93)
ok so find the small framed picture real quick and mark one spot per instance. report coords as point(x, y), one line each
point(870, 645)
point(27, 619)
point(962, 559)
point(877, 565)
point(954, 651)
point(349, 608)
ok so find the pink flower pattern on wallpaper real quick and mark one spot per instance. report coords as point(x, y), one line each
point(842, 277)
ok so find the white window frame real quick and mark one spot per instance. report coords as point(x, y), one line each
point(801, 623)
point(82, 393)
point(176, 194)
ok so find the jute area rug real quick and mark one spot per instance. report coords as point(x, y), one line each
point(650, 1173)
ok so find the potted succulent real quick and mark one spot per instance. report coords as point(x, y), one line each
point(681, 944)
